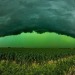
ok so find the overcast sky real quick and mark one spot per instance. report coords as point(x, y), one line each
point(17, 16)
point(42, 16)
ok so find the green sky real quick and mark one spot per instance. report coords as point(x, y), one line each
point(34, 40)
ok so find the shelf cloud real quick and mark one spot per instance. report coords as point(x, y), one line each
point(17, 16)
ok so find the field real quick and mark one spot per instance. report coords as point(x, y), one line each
point(25, 61)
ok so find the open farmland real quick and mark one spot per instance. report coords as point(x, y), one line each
point(37, 61)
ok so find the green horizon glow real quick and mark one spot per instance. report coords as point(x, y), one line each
point(35, 40)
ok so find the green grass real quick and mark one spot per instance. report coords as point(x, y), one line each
point(30, 55)
point(65, 66)
point(21, 61)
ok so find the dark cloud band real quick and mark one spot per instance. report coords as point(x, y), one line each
point(18, 16)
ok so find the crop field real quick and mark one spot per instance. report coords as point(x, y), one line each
point(37, 61)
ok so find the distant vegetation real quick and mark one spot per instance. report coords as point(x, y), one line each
point(21, 61)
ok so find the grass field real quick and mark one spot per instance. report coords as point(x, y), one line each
point(25, 61)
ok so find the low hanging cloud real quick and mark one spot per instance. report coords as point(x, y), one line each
point(18, 16)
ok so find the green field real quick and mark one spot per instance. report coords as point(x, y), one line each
point(37, 61)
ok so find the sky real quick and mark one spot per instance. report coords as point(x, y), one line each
point(17, 16)
point(37, 23)
point(35, 40)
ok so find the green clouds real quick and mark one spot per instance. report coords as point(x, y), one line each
point(34, 40)
point(17, 16)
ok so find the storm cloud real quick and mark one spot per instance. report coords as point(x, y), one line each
point(18, 16)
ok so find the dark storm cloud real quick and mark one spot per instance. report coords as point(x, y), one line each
point(18, 16)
